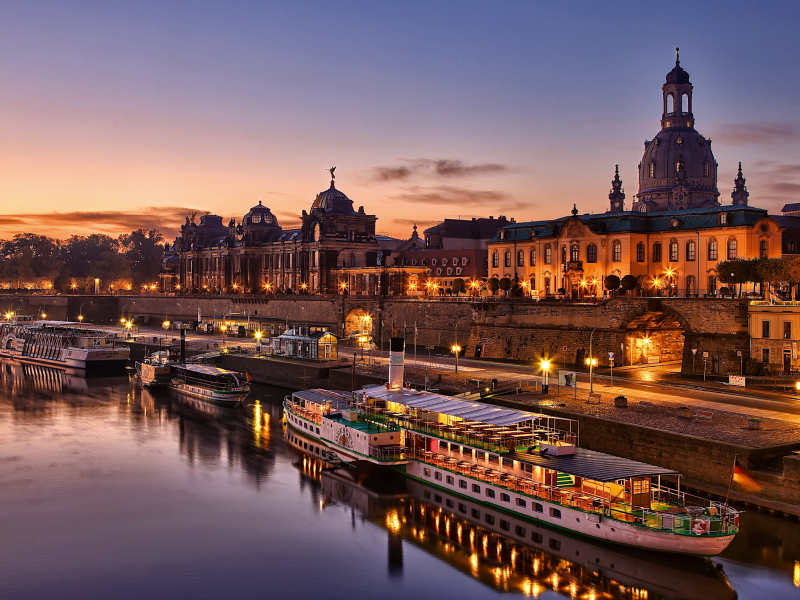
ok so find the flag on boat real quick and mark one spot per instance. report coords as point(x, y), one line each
point(745, 481)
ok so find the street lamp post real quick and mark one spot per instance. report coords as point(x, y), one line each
point(80, 311)
point(545, 379)
point(456, 348)
point(592, 361)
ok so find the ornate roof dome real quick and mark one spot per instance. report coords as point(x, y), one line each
point(259, 216)
point(333, 201)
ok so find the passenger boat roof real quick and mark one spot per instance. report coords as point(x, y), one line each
point(592, 465)
point(337, 400)
point(207, 370)
point(447, 405)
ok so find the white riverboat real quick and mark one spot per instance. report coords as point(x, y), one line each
point(527, 464)
point(209, 383)
point(63, 345)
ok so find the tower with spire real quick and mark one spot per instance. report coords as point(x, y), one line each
point(740, 193)
point(617, 195)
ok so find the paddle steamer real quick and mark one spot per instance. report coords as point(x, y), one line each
point(524, 463)
point(63, 345)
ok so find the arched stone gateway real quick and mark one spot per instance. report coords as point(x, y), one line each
point(358, 321)
point(654, 333)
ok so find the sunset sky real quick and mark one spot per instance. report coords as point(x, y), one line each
point(121, 115)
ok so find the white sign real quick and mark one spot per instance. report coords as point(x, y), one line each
point(567, 378)
point(705, 354)
point(736, 380)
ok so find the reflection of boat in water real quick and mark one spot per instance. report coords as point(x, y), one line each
point(209, 383)
point(506, 553)
point(18, 375)
point(63, 345)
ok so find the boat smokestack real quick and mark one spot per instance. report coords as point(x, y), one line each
point(397, 347)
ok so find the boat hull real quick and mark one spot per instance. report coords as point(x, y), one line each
point(217, 396)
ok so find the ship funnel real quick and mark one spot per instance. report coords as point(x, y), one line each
point(396, 355)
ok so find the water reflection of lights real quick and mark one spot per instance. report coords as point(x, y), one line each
point(796, 575)
point(473, 563)
point(393, 521)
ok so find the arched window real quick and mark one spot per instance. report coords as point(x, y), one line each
point(495, 259)
point(651, 170)
point(591, 253)
point(684, 103)
point(712, 250)
point(792, 246)
point(731, 249)
point(670, 104)
point(762, 249)
point(507, 261)
point(574, 253)
point(691, 251)
point(640, 252)
point(533, 257)
point(643, 208)
point(673, 252)
point(706, 169)
point(563, 254)
point(616, 252)
point(548, 255)
point(352, 259)
point(657, 252)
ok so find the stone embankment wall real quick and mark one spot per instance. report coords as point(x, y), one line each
point(503, 329)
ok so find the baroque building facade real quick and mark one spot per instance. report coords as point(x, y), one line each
point(258, 255)
point(674, 235)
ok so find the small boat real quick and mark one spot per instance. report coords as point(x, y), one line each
point(209, 383)
point(155, 370)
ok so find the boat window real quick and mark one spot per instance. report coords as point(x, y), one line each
point(505, 525)
point(317, 429)
point(555, 513)
point(489, 493)
point(489, 519)
point(555, 544)
point(462, 507)
point(537, 507)
point(476, 488)
point(521, 502)
point(427, 472)
point(476, 514)
point(438, 476)
point(520, 531)
point(449, 503)
point(427, 494)
point(505, 498)
point(462, 484)
point(451, 480)
point(437, 498)
point(537, 538)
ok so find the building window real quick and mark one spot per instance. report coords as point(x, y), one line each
point(765, 355)
point(765, 329)
point(723, 219)
point(762, 249)
point(731, 249)
point(651, 170)
point(547, 255)
point(546, 285)
point(591, 253)
point(533, 257)
point(712, 284)
point(521, 258)
point(673, 252)
point(691, 251)
point(616, 253)
point(712, 250)
point(495, 259)
point(792, 246)
point(787, 330)
point(563, 254)
point(705, 169)
point(657, 252)
point(574, 253)
point(352, 259)
point(507, 261)
point(640, 252)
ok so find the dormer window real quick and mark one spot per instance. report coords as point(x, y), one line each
point(434, 261)
point(444, 261)
point(723, 219)
point(455, 262)
point(424, 262)
point(414, 262)
point(464, 260)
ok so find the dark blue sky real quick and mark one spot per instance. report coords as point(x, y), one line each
point(115, 111)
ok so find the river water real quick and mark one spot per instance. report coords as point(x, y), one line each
point(110, 491)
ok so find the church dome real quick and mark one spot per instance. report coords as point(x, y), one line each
point(259, 216)
point(333, 201)
point(678, 169)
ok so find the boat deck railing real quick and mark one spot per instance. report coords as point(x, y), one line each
point(681, 518)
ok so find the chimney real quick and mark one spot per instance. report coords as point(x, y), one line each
point(396, 356)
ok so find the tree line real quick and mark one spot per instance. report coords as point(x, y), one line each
point(29, 261)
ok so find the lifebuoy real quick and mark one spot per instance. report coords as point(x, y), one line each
point(698, 527)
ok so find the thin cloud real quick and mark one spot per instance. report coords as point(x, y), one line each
point(757, 133)
point(436, 168)
point(461, 198)
point(411, 222)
